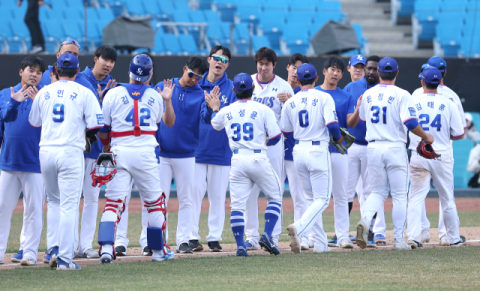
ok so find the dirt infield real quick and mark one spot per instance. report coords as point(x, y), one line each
point(136, 205)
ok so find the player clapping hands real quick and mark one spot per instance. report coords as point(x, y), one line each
point(24, 93)
point(212, 99)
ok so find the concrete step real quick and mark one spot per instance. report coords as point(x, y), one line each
point(383, 35)
point(419, 53)
point(390, 46)
point(373, 22)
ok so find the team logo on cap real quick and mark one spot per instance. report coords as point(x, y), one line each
point(359, 57)
point(136, 93)
point(139, 71)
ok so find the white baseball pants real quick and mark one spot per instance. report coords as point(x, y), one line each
point(387, 165)
point(31, 184)
point(339, 193)
point(249, 169)
point(314, 170)
point(299, 202)
point(212, 179)
point(90, 210)
point(63, 174)
point(441, 171)
point(276, 156)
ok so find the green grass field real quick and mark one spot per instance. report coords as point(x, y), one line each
point(467, 218)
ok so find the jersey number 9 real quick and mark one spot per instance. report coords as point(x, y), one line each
point(58, 112)
point(247, 129)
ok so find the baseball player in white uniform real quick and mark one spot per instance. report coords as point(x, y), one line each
point(247, 125)
point(310, 114)
point(441, 65)
point(64, 110)
point(441, 118)
point(132, 112)
point(388, 112)
point(271, 91)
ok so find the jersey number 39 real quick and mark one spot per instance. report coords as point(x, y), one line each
point(247, 130)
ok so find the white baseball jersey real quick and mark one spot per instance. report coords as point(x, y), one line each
point(451, 95)
point(267, 93)
point(118, 111)
point(308, 114)
point(439, 117)
point(64, 110)
point(247, 124)
point(385, 109)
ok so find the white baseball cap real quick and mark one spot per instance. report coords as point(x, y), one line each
point(468, 116)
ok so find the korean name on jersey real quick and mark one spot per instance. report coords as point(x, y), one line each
point(118, 111)
point(247, 124)
point(308, 114)
point(267, 93)
point(64, 110)
point(438, 116)
point(385, 109)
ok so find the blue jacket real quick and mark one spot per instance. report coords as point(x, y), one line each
point(213, 147)
point(181, 140)
point(88, 75)
point(357, 88)
point(21, 145)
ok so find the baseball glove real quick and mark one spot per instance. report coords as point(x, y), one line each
point(426, 150)
point(89, 141)
point(347, 137)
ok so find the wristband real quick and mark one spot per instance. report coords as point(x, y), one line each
point(105, 141)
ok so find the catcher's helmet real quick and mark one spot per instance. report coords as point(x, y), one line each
point(141, 68)
point(105, 168)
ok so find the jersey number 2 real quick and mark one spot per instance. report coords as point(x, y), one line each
point(247, 129)
point(130, 117)
point(58, 112)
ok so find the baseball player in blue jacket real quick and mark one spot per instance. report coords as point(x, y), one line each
point(213, 155)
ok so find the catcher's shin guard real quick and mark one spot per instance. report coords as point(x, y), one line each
point(158, 205)
point(106, 235)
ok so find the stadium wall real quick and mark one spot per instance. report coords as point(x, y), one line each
point(462, 76)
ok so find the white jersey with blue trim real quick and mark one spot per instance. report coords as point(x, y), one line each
point(267, 93)
point(247, 124)
point(308, 114)
point(438, 116)
point(64, 110)
point(118, 111)
point(385, 109)
point(449, 94)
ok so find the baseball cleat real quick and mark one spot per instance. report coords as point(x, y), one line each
point(459, 243)
point(184, 249)
point(195, 245)
point(362, 231)
point(444, 241)
point(425, 236)
point(251, 246)
point(241, 252)
point(380, 239)
point(120, 251)
point(214, 246)
point(91, 254)
point(146, 251)
point(268, 244)
point(353, 239)
point(321, 251)
point(294, 241)
point(345, 244)
point(53, 257)
point(169, 256)
point(401, 245)
point(415, 244)
point(47, 258)
point(371, 241)
point(17, 257)
point(27, 261)
point(333, 241)
point(106, 258)
point(64, 266)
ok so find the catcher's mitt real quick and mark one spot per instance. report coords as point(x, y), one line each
point(89, 140)
point(426, 150)
point(347, 137)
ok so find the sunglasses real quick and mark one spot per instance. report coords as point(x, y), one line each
point(71, 41)
point(220, 58)
point(192, 74)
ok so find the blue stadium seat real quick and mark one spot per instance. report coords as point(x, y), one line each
point(277, 5)
point(20, 37)
point(167, 9)
point(72, 29)
point(135, 8)
point(259, 41)
point(226, 8)
point(75, 4)
point(212, 17)
point(171, 44)
point(54, 30)
point(205, 5)
point(297, 6)
point(449, 37)
point(93, 33)
point(6, 14)
point(59, 4)
point(426, 16)
point(302, 17)
point(158, 44)
point(272, 23)
point(242, 37)
point(188, 44)
point(19, 13)
point(181, 5)
point(296, 37)
point(197, 16)
point(216, 34)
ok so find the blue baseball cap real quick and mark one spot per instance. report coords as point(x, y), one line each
point(421, 70)
point(242, 82)
point(357, 59)
point(68, 61)
point(306, 72)
point(438, 63)
point(431, 75)
point(387, 65)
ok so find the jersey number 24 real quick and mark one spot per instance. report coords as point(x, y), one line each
point(425, 119)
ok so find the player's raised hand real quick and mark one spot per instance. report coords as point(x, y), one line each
point(213, 99)
point(20, 95)
point(359, 101)
point(283, 97)
point(167, 92)
point(31, 92)
point(111, 83)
